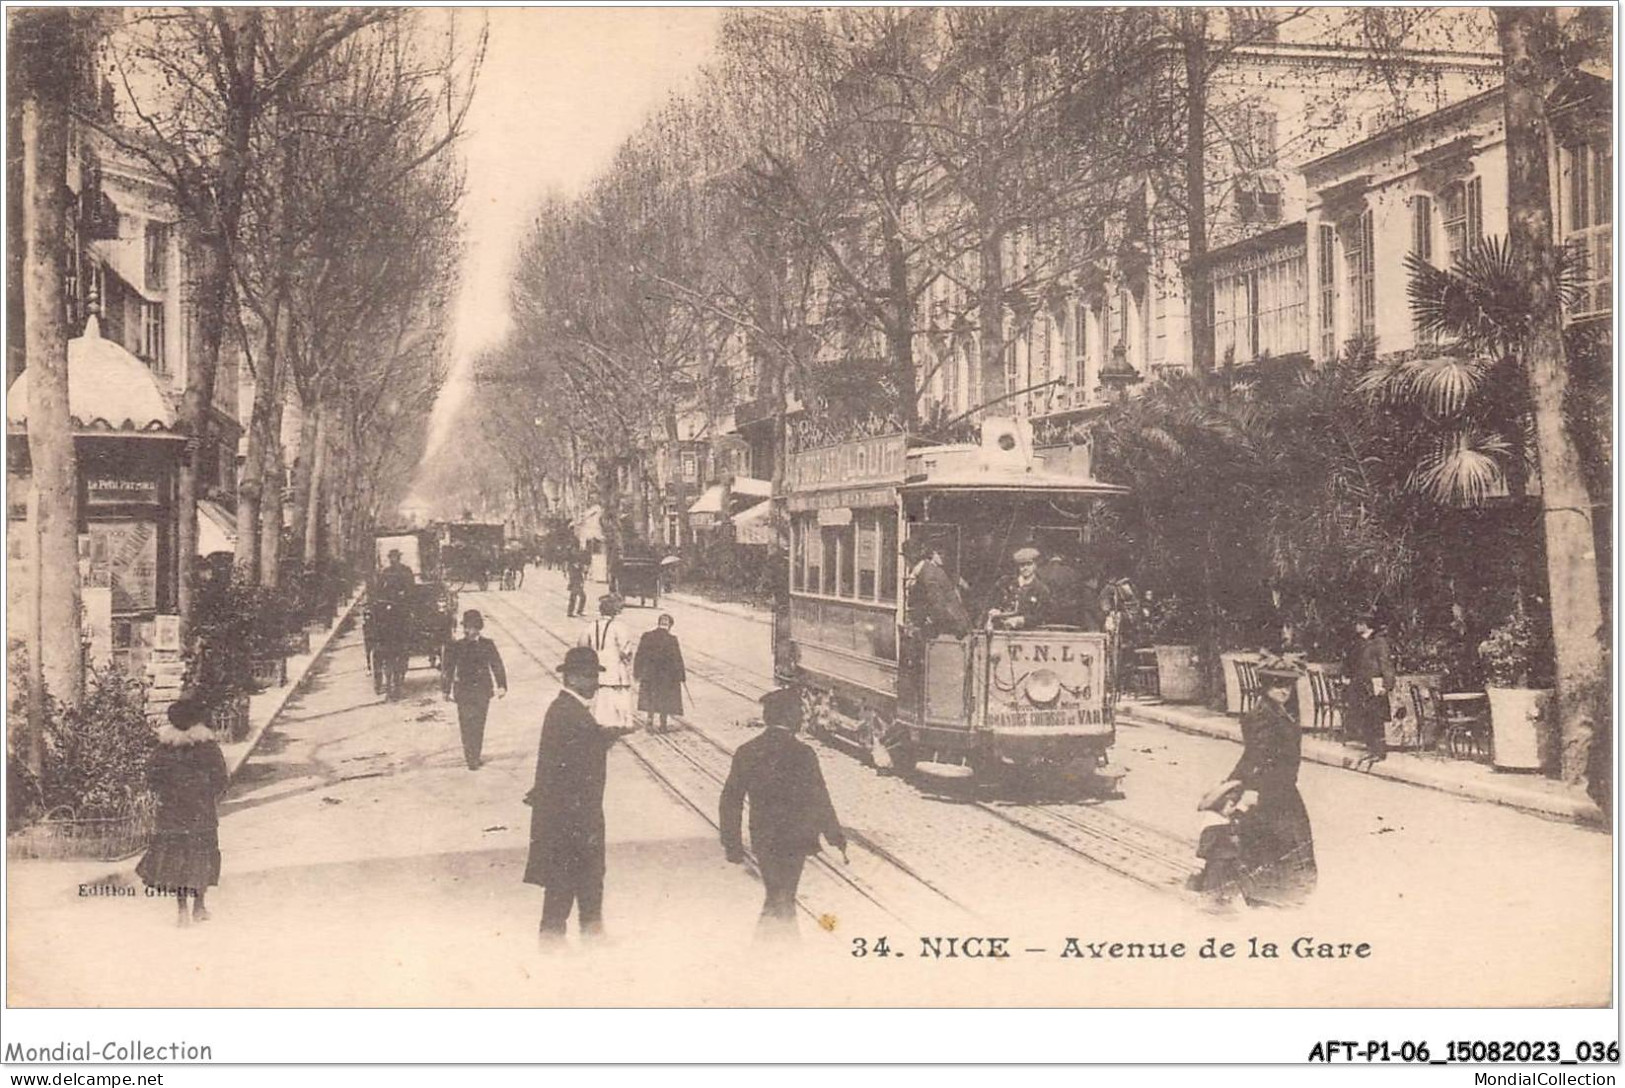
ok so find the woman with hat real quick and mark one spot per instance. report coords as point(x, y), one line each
point(186, 773)
point(658, 669)
point(1276, 847)
point(470, 674)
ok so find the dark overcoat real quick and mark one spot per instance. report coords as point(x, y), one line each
point(1365, 707)
point(658, 669)
point(567, 800)
point(472, 670)
point(934, 602)
point(186, 773)
point(1031, 601)
point(789, 803)
point(1277, 846)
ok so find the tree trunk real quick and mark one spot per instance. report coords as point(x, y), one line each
point(251, 487)
point(55, 660)
point(303, 463)
point(1532, 62)
point(270, 524)
point(609, 516)
point(1198, 288)
point(900, 326)
point(316, 455)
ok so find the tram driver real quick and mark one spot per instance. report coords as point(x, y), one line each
point(1020, 600)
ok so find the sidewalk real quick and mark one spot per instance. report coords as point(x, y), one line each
point(264, 707)
point(1528, 793)
point(725, 608)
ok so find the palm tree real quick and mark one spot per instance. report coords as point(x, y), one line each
point(1465, 404)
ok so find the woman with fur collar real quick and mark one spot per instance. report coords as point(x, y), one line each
point(186, 773)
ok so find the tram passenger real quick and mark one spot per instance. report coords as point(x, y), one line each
point(615, 645)
point(1072, 602)
point(1020, 600)
point(934, 604)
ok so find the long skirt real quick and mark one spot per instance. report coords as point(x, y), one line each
point(1277, 848)
point(182, 859)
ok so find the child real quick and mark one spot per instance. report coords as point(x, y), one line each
point(186, 774)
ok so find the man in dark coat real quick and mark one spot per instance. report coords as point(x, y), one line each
point(1021, 601)
point(658, 669)
point(396, 580)
point(471, 672)
point(1276, 846)
point(567, 803)
point(1371, 678)
point(934, 604)
point(575, 579)
point(789, 808)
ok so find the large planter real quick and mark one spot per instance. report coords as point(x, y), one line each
point(1232, 678)
point(1523, 728)
point(1179, 677)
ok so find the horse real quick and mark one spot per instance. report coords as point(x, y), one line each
point(389, 633)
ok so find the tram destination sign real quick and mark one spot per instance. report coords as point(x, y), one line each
point(865, 462)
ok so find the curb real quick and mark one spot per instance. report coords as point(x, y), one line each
point(737, 611)
point(279, 697)
point(1397, 768)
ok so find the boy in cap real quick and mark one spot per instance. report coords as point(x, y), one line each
point(471, 672)
point(789, 808)
point(567, 803)
point(1020, 600)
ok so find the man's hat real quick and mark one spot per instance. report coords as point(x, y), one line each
point(581, 659)
point(610, 600)
point(1026, 555)
point(914, 547)
point(394, 553)
point(781, 706)
point(472, 618)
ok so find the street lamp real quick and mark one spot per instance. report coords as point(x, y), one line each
point(1118, 374)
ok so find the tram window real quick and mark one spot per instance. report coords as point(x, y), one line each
point(869, 555)
point(798, 553)
point(888, 555)
point(815, 557)
point(849, 563)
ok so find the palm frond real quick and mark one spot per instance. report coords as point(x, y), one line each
point(1464, 468)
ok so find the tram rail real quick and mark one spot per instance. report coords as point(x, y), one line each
point(693, 765)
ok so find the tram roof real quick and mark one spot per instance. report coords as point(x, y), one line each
point(1032, 483)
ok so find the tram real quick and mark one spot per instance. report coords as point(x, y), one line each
point(876, 675)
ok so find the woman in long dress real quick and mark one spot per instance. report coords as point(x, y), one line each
point(1276, 866)
point(658, 669)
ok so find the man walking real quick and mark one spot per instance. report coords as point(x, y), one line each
point(575, 577)
point(1371, 679)
point(789, 808)
point(567, 804)
point(471, 672)
point(611, 639)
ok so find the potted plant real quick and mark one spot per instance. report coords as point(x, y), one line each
point(1173, 628)
point(1515, 671)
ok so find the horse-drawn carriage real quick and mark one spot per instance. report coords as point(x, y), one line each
point(638, 575)
point(472, 553)
point(407, 615)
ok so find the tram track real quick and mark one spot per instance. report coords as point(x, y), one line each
point(693, 766)
point(1130, 848)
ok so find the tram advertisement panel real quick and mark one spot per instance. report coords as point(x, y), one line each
point(1048, 680)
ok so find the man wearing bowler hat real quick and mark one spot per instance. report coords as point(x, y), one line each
point(789, 808)
point(470, 674)
point(567, 803)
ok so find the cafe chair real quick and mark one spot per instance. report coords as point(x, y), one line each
point(1327, 691)
point(1247, 681)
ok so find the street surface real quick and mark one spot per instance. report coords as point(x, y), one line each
point(364, 864)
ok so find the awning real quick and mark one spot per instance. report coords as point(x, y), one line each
point(216, 528)
point(108, 389)
point(754, 526)
point(749, 485)
point(710, 502)
point(127, 258)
